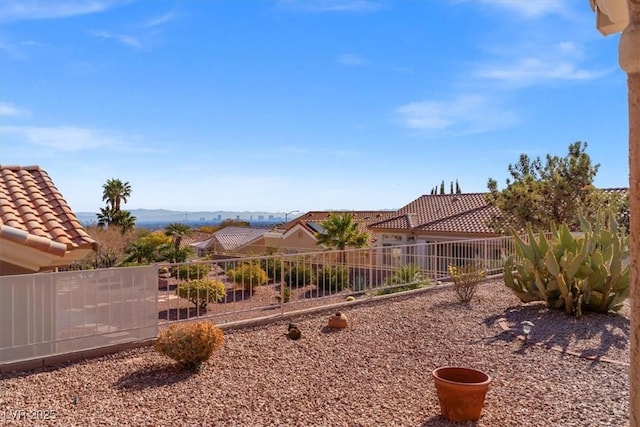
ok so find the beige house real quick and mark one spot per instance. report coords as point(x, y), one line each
point(299, 235)
point(38, 230)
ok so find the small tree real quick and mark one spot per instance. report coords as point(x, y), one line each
point(202, 291)
point(248, 275)
point(540, 193)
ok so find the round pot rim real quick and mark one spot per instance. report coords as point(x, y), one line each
point(435, 374)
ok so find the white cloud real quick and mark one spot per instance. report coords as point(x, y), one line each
point(529, 71)
point(160, 20)
point(9, 109)
point(351, 59)
point(331, 5)
point(124, 39)
point(525, 8)
point(468, 114)
point(13, 10)
point(558, 62)
point(65, 138)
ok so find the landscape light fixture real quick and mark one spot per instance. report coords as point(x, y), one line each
point(526, 329)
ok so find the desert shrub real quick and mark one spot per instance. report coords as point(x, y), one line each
point(273, 267)
point(190, 344)
point(332, 278)
point(466, 280)
point(191, 271)
point(405, 278)
point(201, 292)
point(588, 271)
point(248, 275)
point(298, 274)
point(359, 283)
point(408, 274)
point(286, 292)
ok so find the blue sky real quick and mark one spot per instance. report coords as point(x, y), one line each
point(280, 105)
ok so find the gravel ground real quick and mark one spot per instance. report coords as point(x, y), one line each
point(377, 372)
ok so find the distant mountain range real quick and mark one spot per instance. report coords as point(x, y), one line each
point(167, 216)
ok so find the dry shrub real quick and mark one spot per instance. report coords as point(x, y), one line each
point(466, 280)
point(190, 344)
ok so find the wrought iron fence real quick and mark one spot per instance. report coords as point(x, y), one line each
point(232, 289)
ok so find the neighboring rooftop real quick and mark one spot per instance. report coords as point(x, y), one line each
point(443, 213)
point(231, 238)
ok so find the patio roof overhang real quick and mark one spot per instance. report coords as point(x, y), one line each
point(36, 253)
point(612, 16)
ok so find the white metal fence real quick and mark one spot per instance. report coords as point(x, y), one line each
point(242, 288)
point(48, 314)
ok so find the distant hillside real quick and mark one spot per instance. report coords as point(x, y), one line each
point(164, 215)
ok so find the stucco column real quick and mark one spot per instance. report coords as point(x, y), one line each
point(630, 63)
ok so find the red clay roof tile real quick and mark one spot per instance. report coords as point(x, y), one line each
point(34, 213)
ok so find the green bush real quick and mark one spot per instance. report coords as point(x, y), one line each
point(465, 280)
point(273, 268)
point(191, 271)
point(298, 274)
point(190, 344)
point(408, 274)
point(201, 292)
point(405, 278)
point(286, 292)
point(249, 276)
point(585, 272)
point(359, 283)
point(332, 278)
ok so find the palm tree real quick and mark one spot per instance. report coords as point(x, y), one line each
point(141, 252)
point(105, 217)
point(177, 231)
point(125, 221)
point(340, 232)
point(115, 192)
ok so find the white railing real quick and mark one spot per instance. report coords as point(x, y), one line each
point(48, 314)
point(276, 284)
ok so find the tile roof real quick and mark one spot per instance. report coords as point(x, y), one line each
point(231, 238)
point(450, 213)
point(34, 213)
point(312, 219)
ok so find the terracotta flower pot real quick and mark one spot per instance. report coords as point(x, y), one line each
point(461, 392)
point(338, 320)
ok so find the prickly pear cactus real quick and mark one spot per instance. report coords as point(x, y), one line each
point(586, 271)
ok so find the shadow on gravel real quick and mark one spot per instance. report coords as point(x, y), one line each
point(157, 376)
point(440, 421)
point(554, 328)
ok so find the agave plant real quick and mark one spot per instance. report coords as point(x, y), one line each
point(588, 271)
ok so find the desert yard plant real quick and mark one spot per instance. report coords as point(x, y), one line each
point(191, 271)
point(298, 274)
point(201, 291)
point(409, 275)
point(405, 278)
point(285, 295)
point(248, 275)
point(273, 268)
point(332, 278)
point(466, 279)
point(584, 272)
point(190, 344)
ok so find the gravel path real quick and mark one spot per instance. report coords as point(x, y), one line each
point(375, 373)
